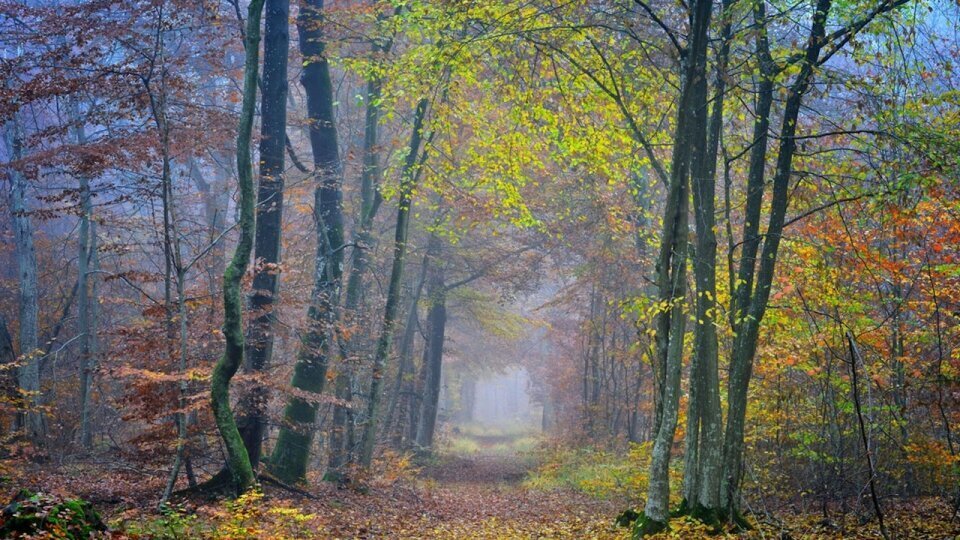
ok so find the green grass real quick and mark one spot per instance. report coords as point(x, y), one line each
point(599, 473)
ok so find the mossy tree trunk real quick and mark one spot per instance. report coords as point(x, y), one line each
point(238, 461)
point(690, 138)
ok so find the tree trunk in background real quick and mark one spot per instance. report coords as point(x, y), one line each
point(30, 419)
point(340, 443)
point(86, 321)
point(751, 307)
point(215, 203)
point(404, 388)
point(436, 326)
point(8, 382)
point(273, 131)
point(690, 139)
point(86, 324)
point(408, 178)
point(468, 398)
point(292, 451)
point(238, 461)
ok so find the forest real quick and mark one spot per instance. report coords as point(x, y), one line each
point(482, 269)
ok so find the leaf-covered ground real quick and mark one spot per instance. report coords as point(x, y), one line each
point(479, 495)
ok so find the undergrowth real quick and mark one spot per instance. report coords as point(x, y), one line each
point(597, 472)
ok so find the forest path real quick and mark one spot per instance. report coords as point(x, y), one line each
point(474, 487)
point(481, 494)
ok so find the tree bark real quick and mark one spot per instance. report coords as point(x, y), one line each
point(273, 130)
point(86, 323)
point(690, 138)
point(340, 443)
point(704, 440)
point(436, 326)
point(753, 306)
point(30, 418)
point(409, 175)
point(238, 461)
point(290, 455)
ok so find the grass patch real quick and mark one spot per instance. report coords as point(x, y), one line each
point(599, 473)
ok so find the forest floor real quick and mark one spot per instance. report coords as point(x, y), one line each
point(478, 494)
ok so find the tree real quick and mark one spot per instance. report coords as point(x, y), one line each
point(30, 420)
point(688, 148)
point(273, 133)
point(289, 459)
point(238, 461)
point(409, 175)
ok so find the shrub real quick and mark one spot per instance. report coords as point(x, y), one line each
point(37, 515)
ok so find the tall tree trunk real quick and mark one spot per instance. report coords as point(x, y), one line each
point(289, 459)
point(85, 322)
point(408, 179)
point(690, 139)
point(404, 389)
point(703, 455)
point(753, 306)
point(436, 326)
point(340, 443)
point(273, 131)
point(30, 419)
point(238, 461)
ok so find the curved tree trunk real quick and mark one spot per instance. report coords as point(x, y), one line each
point(238, 461)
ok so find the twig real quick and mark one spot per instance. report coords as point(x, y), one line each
point(854, 357)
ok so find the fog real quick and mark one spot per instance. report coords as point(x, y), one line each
point(503, 400)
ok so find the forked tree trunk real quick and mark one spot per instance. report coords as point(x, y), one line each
point(751, 307)
point(704, 439)
point(690, 139)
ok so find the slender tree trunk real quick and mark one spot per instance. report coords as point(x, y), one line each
point(754, 306)
point(409, 175)
point(690, 139)
point(30, 419)
point(436, 326)
point(340, 442)
point(291, 453)
point(238, 461)
point(273, 131)
point(85, 326)
point(704, 440)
